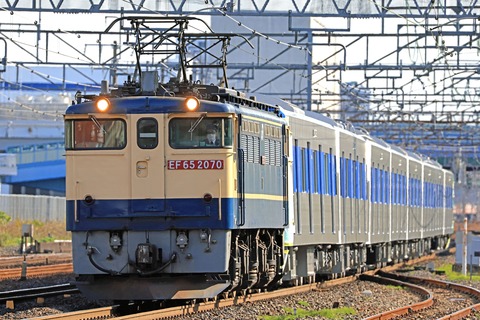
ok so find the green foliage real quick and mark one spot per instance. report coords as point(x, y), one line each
point(303, 303)
point(391, 286)
point(4, 218)
point(47, 239)
point(299, 313)
point(457, 276)
point(38, 224)
point(6, 240)
point(11, 231)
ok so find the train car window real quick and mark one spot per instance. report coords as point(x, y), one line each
point(399, 191)
point(384, 185)
point(397, 188)
point(322, 172)
point(372, 187)
point(414, 192)
point(93, 133)
point(394, 187)
point(309, 167)
point(378, 182)
point(351, 177)
point(315, 188)
point(295, 164)
point(387, 188)
point(333, 173)
point(425, 194)
point(319, 167)
point(364, 180)
point(418, 194)
point(147, 133)
point(304, 170)
point(342, 175)
point(410, 191)
point(327, 174)
point(201, 132)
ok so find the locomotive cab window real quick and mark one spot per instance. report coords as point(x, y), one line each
point(201, 132)
point(147, 133)
point(93, 133)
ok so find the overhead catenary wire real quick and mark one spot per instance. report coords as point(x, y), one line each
point(286, 69)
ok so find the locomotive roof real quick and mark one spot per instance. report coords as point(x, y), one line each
point(147, 104)
point(215, 100)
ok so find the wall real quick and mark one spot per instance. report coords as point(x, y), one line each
point(28, 207)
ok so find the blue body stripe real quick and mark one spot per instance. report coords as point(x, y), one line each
point(144, 214)
point(159, 214)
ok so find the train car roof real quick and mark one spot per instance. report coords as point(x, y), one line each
point(293, 110)
point(398, 149)
point(414, 155)
point(432, 162)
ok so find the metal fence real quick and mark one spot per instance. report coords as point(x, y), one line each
point(28, 207)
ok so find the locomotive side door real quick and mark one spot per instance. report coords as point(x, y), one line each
point(262, 183)
point(147, 164)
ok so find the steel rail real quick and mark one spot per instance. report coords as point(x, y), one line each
point(33, 293)
point(98, 313)
point(40, 259)
point(36, 271)
point(427, 294)
point(459, 314)
point(195, 306)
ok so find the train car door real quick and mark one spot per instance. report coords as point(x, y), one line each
point(147, 173)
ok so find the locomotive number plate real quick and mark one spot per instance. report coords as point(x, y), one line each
point(195, 164)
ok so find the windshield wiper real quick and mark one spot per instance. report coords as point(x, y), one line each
point(196, 123)
point(97, 123)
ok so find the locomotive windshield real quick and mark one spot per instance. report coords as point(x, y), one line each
point(95, 133)
point(201, 132)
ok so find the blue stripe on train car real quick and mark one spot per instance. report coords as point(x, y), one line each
point(146, 214)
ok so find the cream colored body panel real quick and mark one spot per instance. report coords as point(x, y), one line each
point(135, 173)
point(99, 174)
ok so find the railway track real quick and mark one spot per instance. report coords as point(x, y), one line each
point(428, 295)
point(36, 271)
point(35, 260)
point(442, 299)
point(194, 307)
point(40, 292)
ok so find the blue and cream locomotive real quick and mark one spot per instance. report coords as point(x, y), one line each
point(182, 190)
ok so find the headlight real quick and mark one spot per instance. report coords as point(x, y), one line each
point(103, 104)
point(191, 103)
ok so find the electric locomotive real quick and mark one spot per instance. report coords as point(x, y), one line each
point(183, 190)
point(151, 197)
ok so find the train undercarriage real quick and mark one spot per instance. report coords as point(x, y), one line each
point(256, 259)
point(259, 261)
